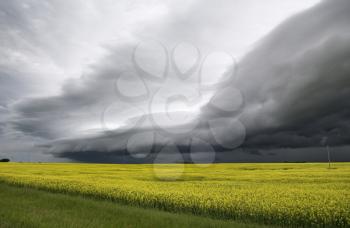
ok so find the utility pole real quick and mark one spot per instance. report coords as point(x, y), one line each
point(329, 157)
point(324, 142)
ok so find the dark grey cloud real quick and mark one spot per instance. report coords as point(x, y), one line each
point(296, 81)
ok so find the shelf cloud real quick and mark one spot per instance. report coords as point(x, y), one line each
point(81, 81)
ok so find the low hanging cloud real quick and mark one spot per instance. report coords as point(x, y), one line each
point(289, 91)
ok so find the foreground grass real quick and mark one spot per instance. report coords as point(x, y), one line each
point(26, 207)
point(282, 194)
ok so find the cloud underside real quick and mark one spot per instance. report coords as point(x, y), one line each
point(295, 84)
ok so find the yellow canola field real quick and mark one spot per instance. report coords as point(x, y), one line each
point(304, 194)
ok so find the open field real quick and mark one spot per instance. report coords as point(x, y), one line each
point(306, 194)
point(26, 207)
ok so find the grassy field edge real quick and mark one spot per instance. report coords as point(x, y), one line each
point(29, 207)
point(64, 178)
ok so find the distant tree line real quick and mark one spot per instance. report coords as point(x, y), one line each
point(4, 160)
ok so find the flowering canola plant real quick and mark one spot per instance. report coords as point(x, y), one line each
point(287, 194)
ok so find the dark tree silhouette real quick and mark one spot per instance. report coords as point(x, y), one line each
point(4, 160)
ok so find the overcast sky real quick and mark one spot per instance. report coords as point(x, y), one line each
point(138, 81)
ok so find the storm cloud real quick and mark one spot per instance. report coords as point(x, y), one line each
point(286, 92)
point(296, 81)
